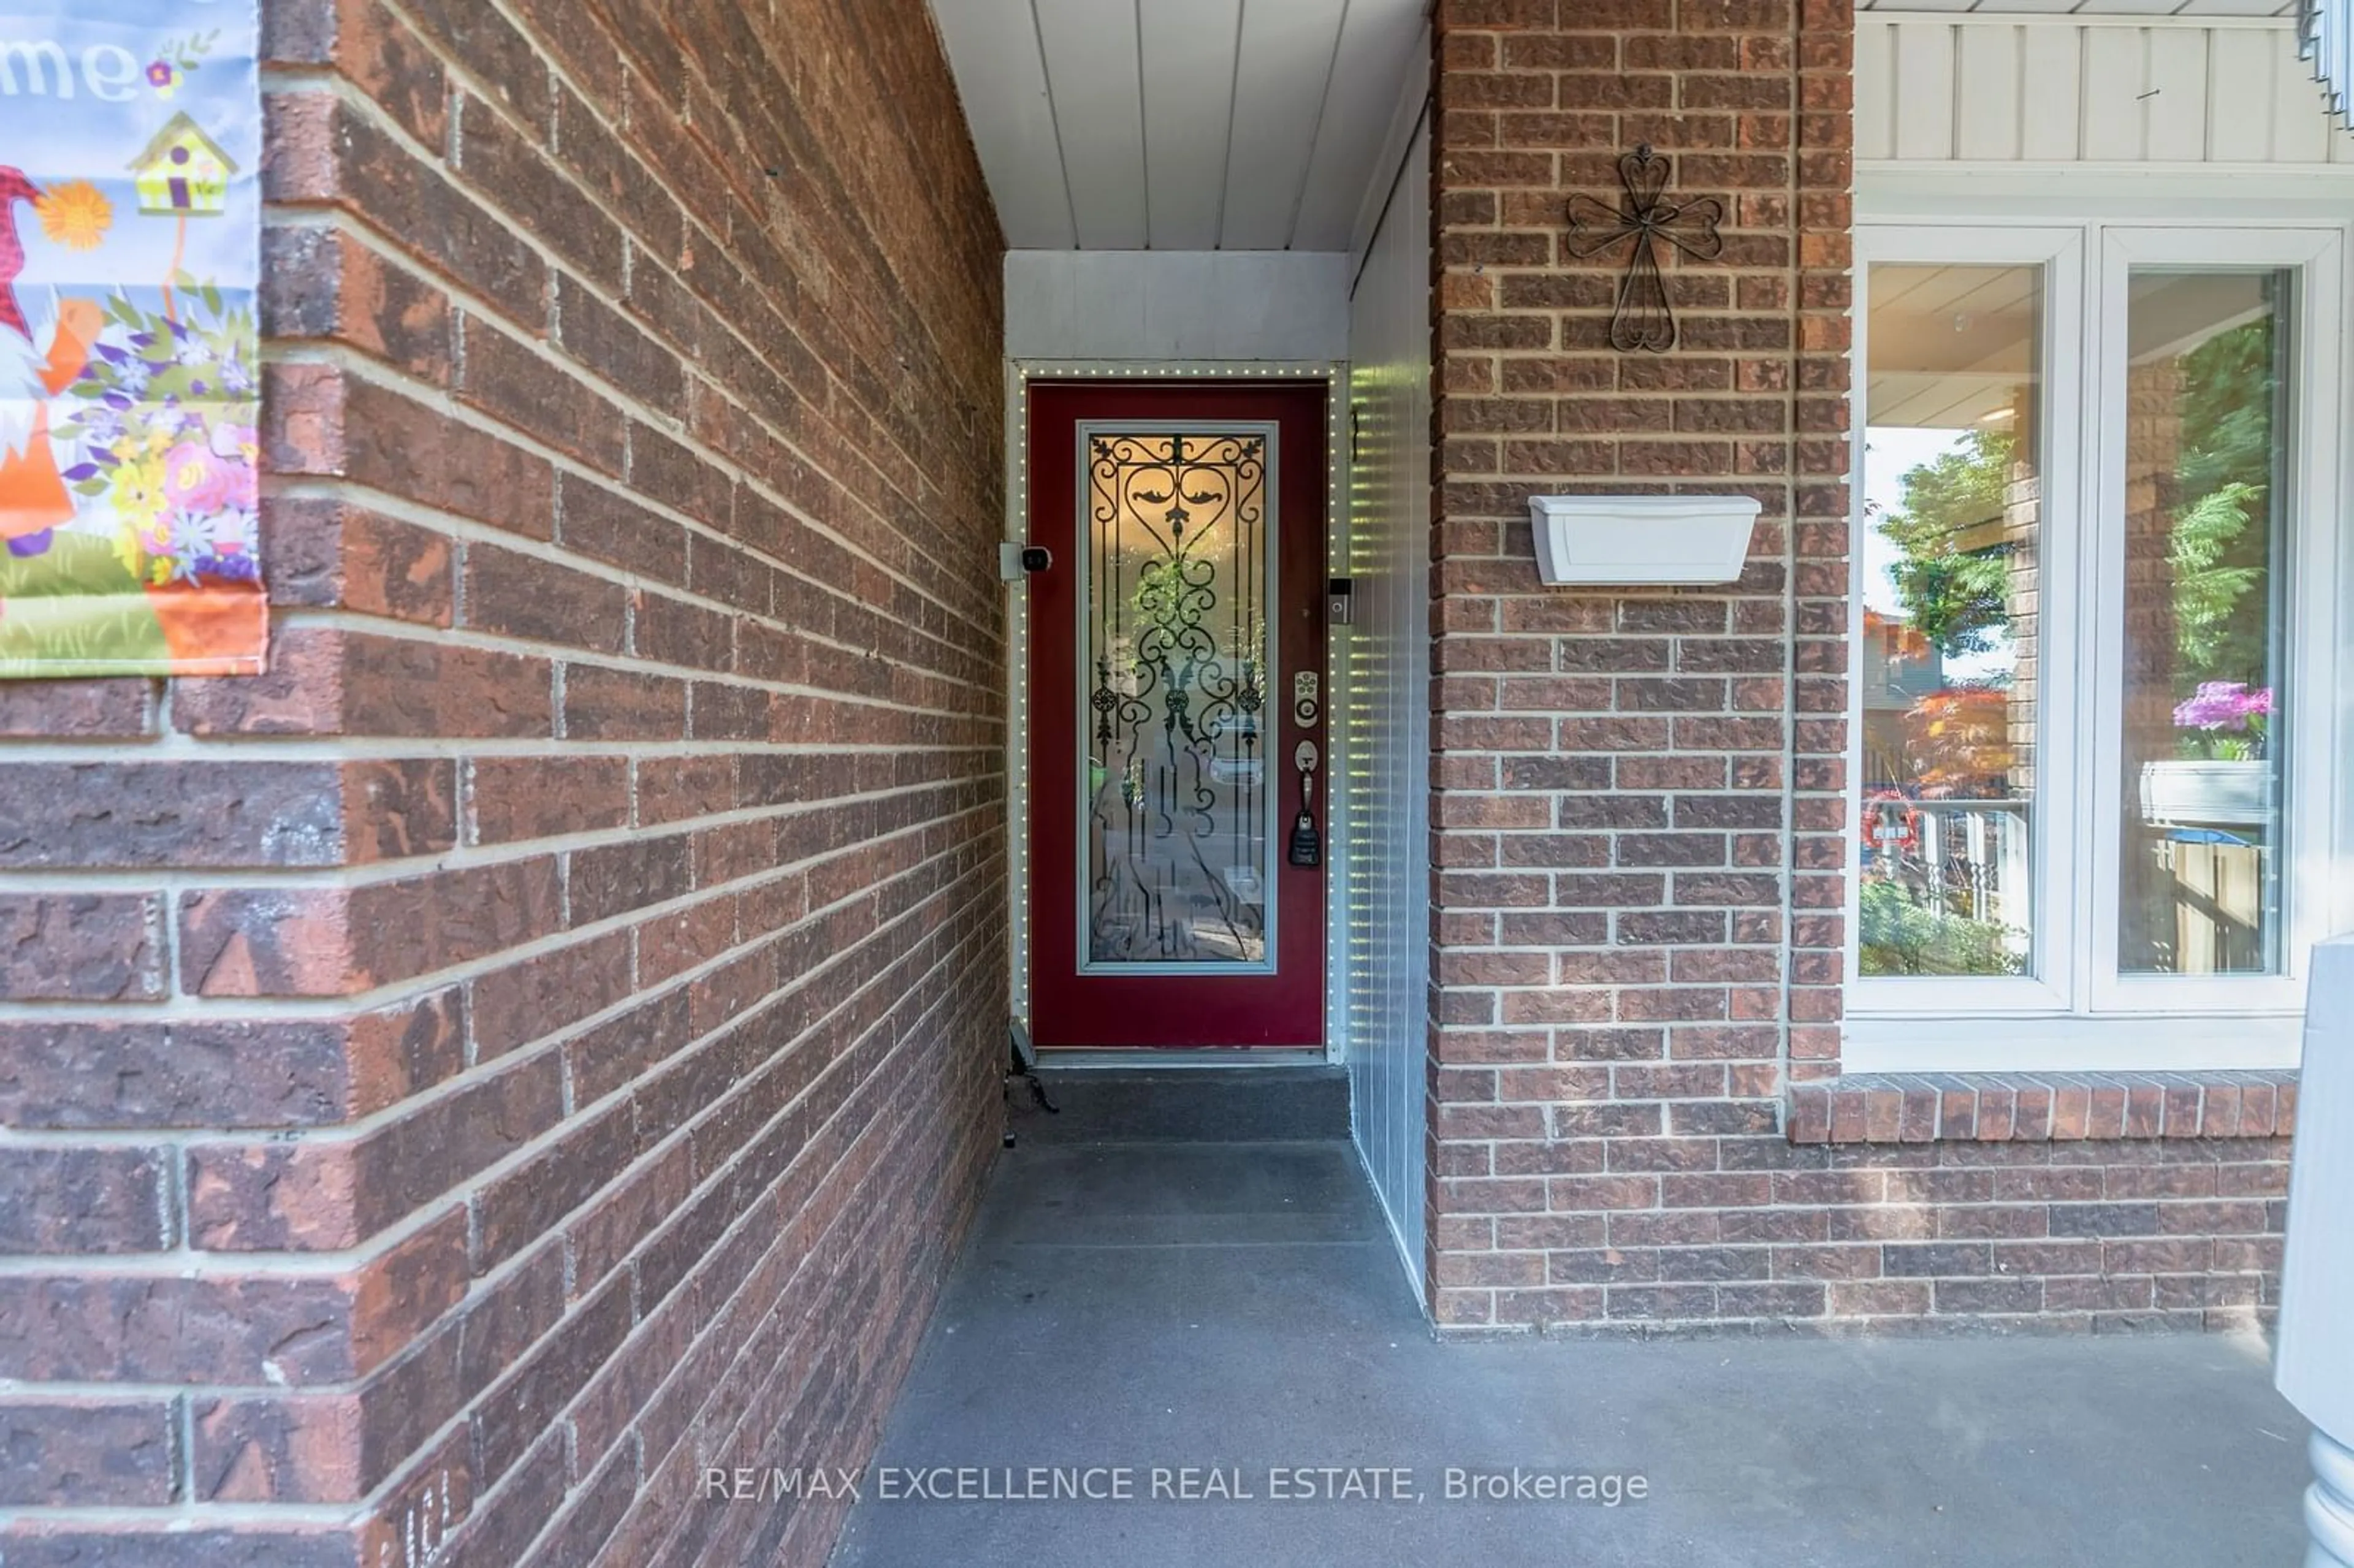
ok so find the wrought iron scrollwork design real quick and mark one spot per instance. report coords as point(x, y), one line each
point(1178, 629)
point(1642, 317)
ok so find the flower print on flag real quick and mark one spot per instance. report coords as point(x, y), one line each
point(195, 481)
point(75, 215)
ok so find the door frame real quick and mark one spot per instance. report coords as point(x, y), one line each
point(1339, 737)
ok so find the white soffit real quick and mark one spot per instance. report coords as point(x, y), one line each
point(1179, 124)
point(2201, 8)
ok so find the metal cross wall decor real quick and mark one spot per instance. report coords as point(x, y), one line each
point(1641, 319)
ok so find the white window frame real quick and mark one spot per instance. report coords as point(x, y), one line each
point(2308, 641)
point(2076, 1012)
point(2057, 253)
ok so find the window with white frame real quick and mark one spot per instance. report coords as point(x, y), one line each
point(2097, 803)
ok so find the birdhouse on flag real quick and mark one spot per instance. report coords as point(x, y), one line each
point(182, 173)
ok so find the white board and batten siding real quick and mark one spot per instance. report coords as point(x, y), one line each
point(2027, 90)
point(1386, 685)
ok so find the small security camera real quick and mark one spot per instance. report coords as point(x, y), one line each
point(1015, 562)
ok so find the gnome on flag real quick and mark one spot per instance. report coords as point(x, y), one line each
point(45, 342)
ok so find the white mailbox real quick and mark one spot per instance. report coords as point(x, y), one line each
point(1640, 539)
point(2315, 1367)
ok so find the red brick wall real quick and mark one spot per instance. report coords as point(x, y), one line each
point(538, 1040)
point(1639, 818)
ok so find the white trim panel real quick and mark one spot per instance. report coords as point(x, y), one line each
point(2071, 1043)
point(1171, 305)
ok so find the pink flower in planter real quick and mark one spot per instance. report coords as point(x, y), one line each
point(2222, 705)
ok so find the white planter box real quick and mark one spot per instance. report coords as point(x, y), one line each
point(1641, 539)
point(2226, 794)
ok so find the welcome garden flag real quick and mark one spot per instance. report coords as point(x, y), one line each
point(130, 146)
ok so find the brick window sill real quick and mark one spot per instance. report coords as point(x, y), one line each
point(2021, 1108)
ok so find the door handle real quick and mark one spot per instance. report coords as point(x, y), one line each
point(1307, 847)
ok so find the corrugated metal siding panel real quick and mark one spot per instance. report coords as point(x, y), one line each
point(1388, 693)
point(2002, 89)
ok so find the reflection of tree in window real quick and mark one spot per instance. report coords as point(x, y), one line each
point(1954, 500)
point(2198, 882)
point(1953, 577)
point(1960, 570)
point(2225, 466)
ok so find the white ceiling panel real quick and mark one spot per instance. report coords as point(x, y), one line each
point(1092, 72)
point(1375, 57)
point(1188, 53)
point(1180, 124)
point(1013, 124)
point(2033, 7)
point(1280, 81)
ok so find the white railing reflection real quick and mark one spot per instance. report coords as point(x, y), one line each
point(2326, 37)
point(1974, 855)
point(2315, 1367)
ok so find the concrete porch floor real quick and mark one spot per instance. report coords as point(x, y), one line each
point(1175, 1304)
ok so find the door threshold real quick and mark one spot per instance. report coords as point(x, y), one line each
point(1132, 1058)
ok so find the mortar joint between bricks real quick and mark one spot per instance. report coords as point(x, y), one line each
point(171, 1198)
point(180, 1434)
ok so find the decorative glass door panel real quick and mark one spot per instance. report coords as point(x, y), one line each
point(1176, 651)
point(1177, 816)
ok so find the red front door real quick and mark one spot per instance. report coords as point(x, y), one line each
point(1177, 714)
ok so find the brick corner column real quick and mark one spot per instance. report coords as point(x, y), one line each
point(1638, 810)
